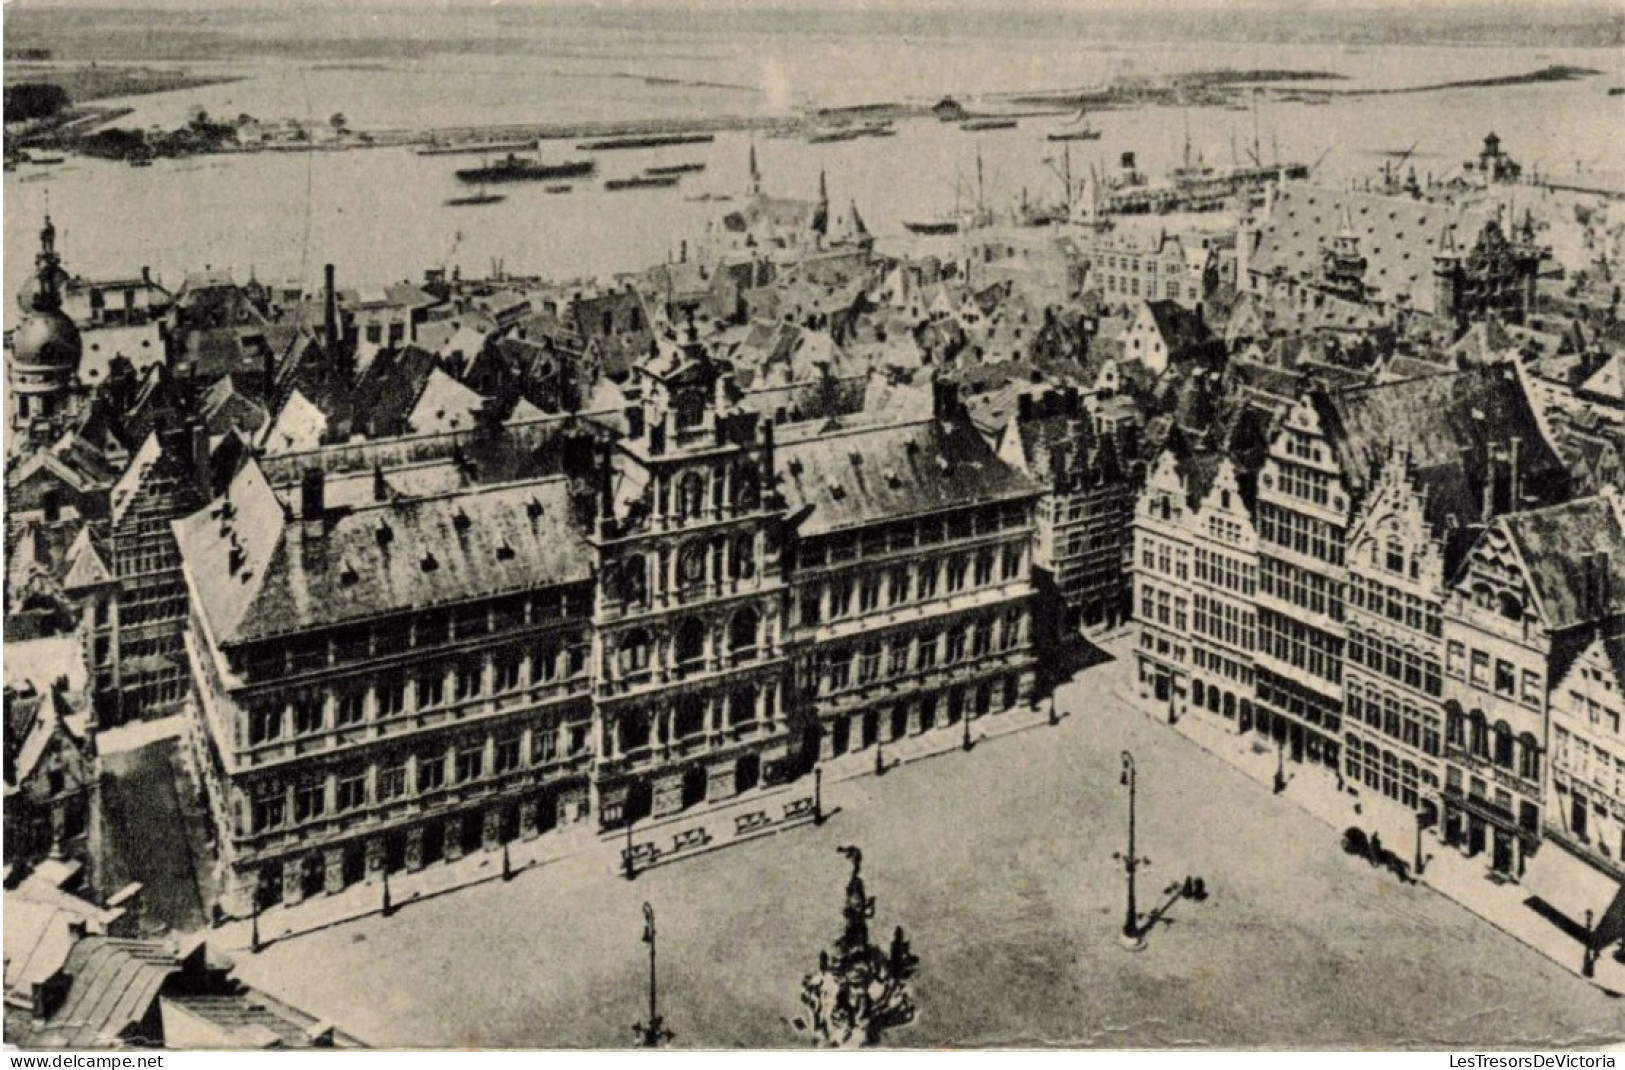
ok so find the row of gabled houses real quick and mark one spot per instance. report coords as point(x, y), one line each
point(1408, 595)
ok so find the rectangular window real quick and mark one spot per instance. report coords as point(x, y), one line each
point(1456, 660)
point(352, 792)
point(507, 674)
point(268, 813)
point(431, 772)
point(507, 754)
point(928, 652)
point(391, 782)
point(544, 664)
point(309, 801)
point(840, 598)
point(1531, 688)
point(899, 657)
point(1481, 669)
point(809, 607)
point(869, 593)
point(897, 587)
point(544, 744)
point(264, 724)
point(352, 708)
point(956, 645)
point(431, 691)
point(1506, 679)
point(928, 581)
point(307, 715)
point(391, 692)
point(958, 571)
point(470, 763)
point(1011, 568)
point(470, 681)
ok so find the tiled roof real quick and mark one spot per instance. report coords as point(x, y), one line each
point(115, 983)
point(1398, 237)
point(1552, 543)
point(1441, 420)
point(869, 475)
point(382, 559)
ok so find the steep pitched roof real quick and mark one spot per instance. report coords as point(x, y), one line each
point(1441, 419)
point(385, 558)
point(1552, 544)
point(872, 474)
point(115, 983)
point(1398, 237)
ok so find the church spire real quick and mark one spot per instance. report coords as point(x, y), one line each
point(755, 186)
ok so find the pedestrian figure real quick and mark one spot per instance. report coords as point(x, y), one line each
point(1376, 848)
point(1201, 889)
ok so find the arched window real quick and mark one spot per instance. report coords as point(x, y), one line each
point(1478, 735)
point(1528, 757)
point(1503, 745)
point(1511, 606)
point(742, 561)
point(747, 487)
point(1483, 596)
point(634, 580)
point(742, 632)
point(691, 564)
point(690, 645)
point(635, 652)
point(691, 495)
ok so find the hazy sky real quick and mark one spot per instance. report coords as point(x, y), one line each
point(1079, 6)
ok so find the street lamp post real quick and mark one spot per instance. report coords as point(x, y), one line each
point(1280, 764)
point(652, 1033)
point(966, 743)
point(1053, 718)
point(389, 907)
point(1588, 961)
point(628, 866)
point(880, 757)
point(254, 944)
point(1133, 938)
point(818, 795)
point(1420, 861)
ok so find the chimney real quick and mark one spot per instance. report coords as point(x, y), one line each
point(146, 275)
point(312, 494)
point(380, 486)
point(330, 313)
point(768, 476)
point(202, 470)
point(1604, 584)
point(1514, 473)
point(606, 486)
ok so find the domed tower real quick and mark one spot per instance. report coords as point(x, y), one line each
point(46, 348)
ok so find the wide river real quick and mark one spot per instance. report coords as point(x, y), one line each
point(380, 214)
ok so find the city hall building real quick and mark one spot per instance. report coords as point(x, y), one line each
point(400, 655)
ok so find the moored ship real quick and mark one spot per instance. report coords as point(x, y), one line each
point(523, 169)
